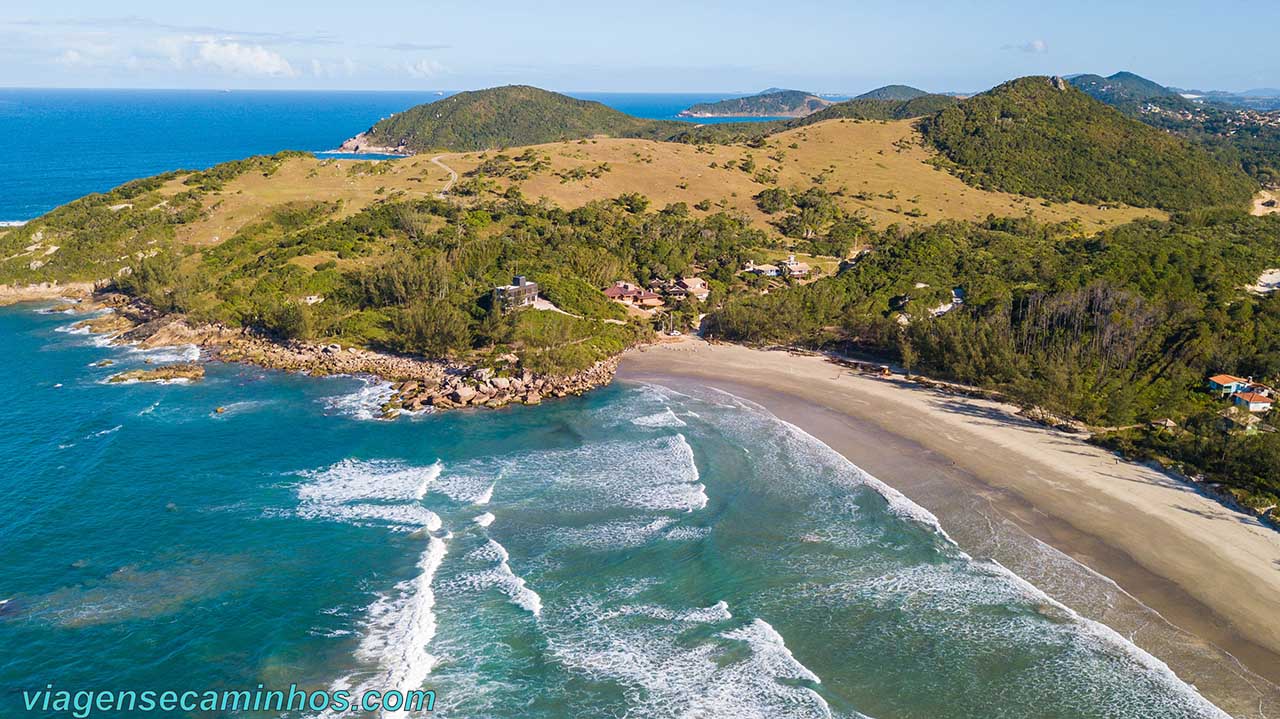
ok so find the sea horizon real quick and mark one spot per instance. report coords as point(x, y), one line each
point(105, 139)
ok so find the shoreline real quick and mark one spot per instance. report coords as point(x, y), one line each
point(417, 383)
point(1186, 579)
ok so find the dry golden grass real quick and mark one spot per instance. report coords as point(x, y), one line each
point(250, 196)
point(881, 168)
point(878, 168)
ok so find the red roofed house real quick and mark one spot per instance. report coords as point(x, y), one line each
point(1252, 401)
point(1226, 384)
point(695, 286)
point(629, 294)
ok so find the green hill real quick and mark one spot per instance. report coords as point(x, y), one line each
point(755, 132)
point(1042, 137)
point(778, 103)
point(507, 116)
point(1125, 89)
point(869, 109)
point(892, 92)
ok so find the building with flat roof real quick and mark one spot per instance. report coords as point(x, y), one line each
point(520, 293)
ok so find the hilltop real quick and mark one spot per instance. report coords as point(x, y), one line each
point(892, 92)
point(770, 103)
point(1043, 137)
point(754, 133)
point(503, 117)
point(1124, 89)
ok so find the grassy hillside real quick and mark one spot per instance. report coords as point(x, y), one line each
point(1037, 137)
point(878, 169)
point(505, 117)
point(892, 92)
point(782, 103)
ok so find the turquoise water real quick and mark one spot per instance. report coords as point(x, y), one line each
point(633, 553)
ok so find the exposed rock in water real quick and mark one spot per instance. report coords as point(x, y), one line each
point(167, 373)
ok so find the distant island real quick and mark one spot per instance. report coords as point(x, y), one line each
point(770, 103)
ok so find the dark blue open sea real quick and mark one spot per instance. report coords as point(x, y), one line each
point(61, 144)
point(638, 552)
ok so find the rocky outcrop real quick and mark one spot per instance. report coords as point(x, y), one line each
point(419, 383)
point(168, 373)
point(362, 145)
point(485, 387)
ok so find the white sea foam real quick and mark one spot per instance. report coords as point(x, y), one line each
point(364, 403)
point(12, 223)
point(502, 577)
point(470, 484)
point(399, 628)
point(370, 492)
point(665, 418)
point(177, 353)
point(484, 520)
point(645, 650)
point(621, 534)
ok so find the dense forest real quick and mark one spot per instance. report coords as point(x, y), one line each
point(506, 117)
point(1117, 329)
point(892, 92)
point(781, 103)
point(1044, 138)
point(1235, 135)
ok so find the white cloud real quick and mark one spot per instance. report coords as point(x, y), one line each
point(1034, 47)
point(71, 58)
point(425, 68)
point(239, 59)
point(346, 67)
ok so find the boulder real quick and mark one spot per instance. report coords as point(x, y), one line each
point(462, 394)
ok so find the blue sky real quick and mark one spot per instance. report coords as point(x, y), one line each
point(657, 45)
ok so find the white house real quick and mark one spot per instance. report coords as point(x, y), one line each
point(1252, 401)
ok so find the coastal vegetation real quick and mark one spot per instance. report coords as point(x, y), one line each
point(771, 103)
point(1040, 136)
point(1110, 315)
point(1118, 330)
point(892, 92)
point(506, 117)
point(1239, 136)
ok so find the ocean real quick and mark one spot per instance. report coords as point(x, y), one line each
point(63, 144)
point(637, 552)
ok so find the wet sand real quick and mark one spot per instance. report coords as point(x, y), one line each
point(1190, 581)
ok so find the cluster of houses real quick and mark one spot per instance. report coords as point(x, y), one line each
point(785, 268)
point(1248, 397)
point(658, 292)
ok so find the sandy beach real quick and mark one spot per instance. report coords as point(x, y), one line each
point(1190, 581)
